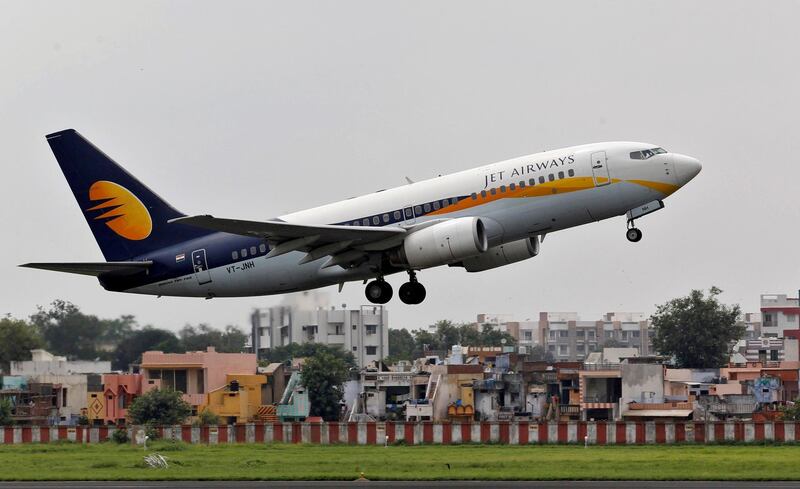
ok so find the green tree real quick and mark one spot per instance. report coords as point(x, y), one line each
point(323, 376)
point(130, 350)
point(17, 339)
point(286, 353)
point(159, 407)
point(67, 331)
point(207, 417)
point(401, 345)
point(231, 340)
point(697, 329)
point(5, 413)
point(788, 412)
point(495, 337)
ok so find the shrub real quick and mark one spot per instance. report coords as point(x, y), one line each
point(206, 418)
point(159, 407)
point(120, 435)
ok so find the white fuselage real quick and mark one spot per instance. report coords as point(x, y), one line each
point(588, 183)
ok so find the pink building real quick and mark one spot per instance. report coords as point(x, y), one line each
point(193, 373)
point(111, 405)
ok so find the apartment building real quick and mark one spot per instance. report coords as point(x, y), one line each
point(568, 338)
point(778, 313)
point(363, 331)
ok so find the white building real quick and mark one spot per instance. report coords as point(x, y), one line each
point(363, 331)
point(778, 313)
point(43, 362)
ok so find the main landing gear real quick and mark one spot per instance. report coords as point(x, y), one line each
point(412, 292)
point(633, 234)
point(380, 292)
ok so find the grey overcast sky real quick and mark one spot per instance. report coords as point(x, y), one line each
point(254, 109)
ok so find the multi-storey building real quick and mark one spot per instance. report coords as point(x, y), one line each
point(778, 313)
point(363, 331)
point(568, 338)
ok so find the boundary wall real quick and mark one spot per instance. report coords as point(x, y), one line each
point(378, 433)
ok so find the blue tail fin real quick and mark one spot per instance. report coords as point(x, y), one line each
point(128, 219)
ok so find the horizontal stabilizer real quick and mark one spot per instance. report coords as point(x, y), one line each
point(94, 269)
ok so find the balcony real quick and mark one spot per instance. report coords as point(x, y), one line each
point(418, 411)
point(336, 339)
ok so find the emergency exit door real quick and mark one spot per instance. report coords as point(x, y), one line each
point(600, 169)
point(200, 266)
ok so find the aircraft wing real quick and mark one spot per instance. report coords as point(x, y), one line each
point(345, 244)
point(94, 269)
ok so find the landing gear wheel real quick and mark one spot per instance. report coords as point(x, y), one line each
point(412, 292)
point(378, 291)
point(633, 235)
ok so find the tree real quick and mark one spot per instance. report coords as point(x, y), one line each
point(159, 407)
point(5, 413)
point(538, 353)
point(281, 354)
point(323, 375)
point(67, 331)
point(789, 412)
point(17, 339)
point(147, 339)
point(401, 345)
point(697, 330)
point(231, 340)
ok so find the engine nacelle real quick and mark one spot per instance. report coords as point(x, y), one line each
point(505, 254)
point(444, 243)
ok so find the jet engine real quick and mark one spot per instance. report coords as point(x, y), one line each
point(444, 243)
point(500, 255)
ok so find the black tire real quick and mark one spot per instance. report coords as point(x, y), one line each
point(412, 293)
point(419, 293)
point(634, 235)
point(374, 292)
point(387, 292)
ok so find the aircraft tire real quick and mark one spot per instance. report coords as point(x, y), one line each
point(634, 235)
point(378, 291)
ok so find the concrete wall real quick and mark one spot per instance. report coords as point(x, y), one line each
point(642, 382)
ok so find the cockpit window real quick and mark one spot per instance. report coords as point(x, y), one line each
point(647, 153)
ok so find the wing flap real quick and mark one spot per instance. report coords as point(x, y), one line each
point(94, 269)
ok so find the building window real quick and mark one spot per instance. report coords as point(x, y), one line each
point(581, 348)
point(372, 329)
point(636, 334)
point(581, 333)
point(355, 348)
point(562, 350)
point(791, 318)
point(372, 350)
point(551, 348)
point(590, 334)
point(64, 397)
point(552, 334)
point(609, 334)
point(563, 334)
point(773, 355)
point(354, 327)
point(201, 382)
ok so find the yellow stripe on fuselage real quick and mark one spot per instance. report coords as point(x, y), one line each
point(565, 185)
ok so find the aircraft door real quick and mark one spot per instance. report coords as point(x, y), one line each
point(600, 169)
point(200, 266)
point(408, 215)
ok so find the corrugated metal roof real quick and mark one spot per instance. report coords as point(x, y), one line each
point(659, 413)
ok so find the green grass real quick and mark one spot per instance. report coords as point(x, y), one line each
point(108, 461)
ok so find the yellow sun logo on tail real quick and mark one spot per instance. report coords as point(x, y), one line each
point(125, 214)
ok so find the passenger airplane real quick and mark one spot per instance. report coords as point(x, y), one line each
point(476, 219)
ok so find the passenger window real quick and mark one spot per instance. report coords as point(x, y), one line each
point(512, 186)
point(502, 188)
point(262, 248)
point(522, 184)
point(418, 210)
point(571, 172)
point(235, 255)
point(376, 220)
point(532, 182)
point(436, 205)
point(365, 222)
point(355, 223)
point(474, 196)
point(551, 177)
point(252, 250)
point(244, 253)
point(561, 174)
point(483, 193)
point(409, 214)
point(493, 191)
point(541, 179)
point(454, 201)
point(386, 218)
point(397, 215)
point(427, 208)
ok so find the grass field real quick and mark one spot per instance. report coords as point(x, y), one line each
point(109, 461)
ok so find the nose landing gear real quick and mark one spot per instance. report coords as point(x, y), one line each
point(412, 292)
point(633, 234)
point(378, 291)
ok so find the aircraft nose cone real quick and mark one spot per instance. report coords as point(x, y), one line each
point(687, 168)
